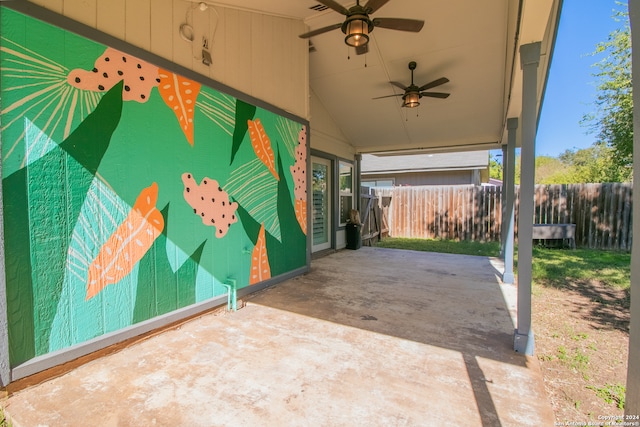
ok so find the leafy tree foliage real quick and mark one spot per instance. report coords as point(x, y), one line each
point(589, 165)
point(495, 167)
point(598, 163)
point(612, 121)
point(551, 170)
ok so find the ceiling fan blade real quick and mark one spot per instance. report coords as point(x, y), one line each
point(440, 81)
point(335, 6)
point(400, 85)
point(401, 24)
point(373, 5)
point(320, 31)
point(440, 95)
point(361, 50)
point(388, 96)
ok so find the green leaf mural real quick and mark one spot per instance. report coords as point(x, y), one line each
point(290, 252)
point(38, 248)
point(158, 284)
point(77, 319)
point(244, 113)
point(253, 186)
point(288, 132)
point(74, 163)
point(217, 107)
point(35, 88)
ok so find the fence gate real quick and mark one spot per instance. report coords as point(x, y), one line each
point(371, 216)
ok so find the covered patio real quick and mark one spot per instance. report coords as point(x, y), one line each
point(421, 339)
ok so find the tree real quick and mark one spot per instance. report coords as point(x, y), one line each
point(551, 170)
point(597, 163)
point(613, 119)
point(495, 167)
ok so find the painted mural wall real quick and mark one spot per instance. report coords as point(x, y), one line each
point(130, 191)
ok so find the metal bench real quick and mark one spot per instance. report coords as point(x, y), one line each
point(555, 232)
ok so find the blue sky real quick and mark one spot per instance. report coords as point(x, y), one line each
point(571, 86)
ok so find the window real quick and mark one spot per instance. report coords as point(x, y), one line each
point(346, 191)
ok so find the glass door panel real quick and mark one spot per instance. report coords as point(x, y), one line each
point(321, 207)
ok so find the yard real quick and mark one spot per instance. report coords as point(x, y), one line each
point(580, 311)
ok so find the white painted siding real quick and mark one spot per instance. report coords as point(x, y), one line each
point(325, 135)
point(258, 54)
point(463, 177)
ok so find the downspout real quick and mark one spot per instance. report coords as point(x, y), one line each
point(358, 169)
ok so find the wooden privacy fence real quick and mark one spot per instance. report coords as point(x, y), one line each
point(601, 212)
point(371, 217)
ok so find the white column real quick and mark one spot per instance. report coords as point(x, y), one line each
point(632, 400)
point(508, 220)
point(503, 200)
point(529, 59)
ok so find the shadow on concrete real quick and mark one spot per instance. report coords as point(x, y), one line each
point(367, 337)
point(449, 301)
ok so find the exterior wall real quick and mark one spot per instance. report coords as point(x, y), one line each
point(130, 191)
point(257, 54)
point(325, 135)
point(429, 178)
point(328, 138)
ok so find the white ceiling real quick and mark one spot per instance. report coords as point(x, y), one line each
point(470, 42)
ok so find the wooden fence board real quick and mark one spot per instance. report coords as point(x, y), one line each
point(601, 212)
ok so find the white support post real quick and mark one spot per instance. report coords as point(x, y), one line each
point(529, 60)
point(503, 200)
point(632, 399)
point(508, 220)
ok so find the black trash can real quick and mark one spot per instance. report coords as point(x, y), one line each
point(353, 236)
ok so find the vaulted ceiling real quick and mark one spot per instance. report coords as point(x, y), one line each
point(473, 43)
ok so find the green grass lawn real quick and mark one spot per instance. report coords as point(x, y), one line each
point(593, 285)
point(442, 246)
point(551, 267)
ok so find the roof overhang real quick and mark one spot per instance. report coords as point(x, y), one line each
point(475, 44)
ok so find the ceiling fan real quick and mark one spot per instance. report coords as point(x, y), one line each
point(358, 25)
point(413, 93)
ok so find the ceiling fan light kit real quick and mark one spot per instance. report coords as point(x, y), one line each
point(412, 93)
point(411, 100)
point(357, 26)
point(357, 29)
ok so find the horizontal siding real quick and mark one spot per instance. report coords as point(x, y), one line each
point(426, 178)
point(258, 54)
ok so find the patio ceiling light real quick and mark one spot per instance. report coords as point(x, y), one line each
point(412, 99)
point(357, 29)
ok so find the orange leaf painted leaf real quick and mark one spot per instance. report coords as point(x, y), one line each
point(180, 95)
point(128, 244)
point(301, 214)
point(262, 145)
point(260, 269)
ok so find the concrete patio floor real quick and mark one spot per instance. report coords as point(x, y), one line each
point(373, 337)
